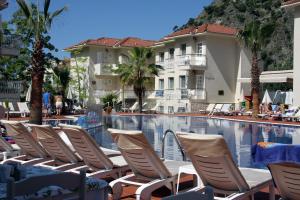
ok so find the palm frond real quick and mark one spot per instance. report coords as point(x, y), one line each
point(46, 8)
point(26, 9)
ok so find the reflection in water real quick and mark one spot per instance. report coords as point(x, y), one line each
point(240, 136)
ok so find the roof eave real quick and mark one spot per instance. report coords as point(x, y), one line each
point(292, 5)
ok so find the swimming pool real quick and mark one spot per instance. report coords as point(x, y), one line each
point(240, 136)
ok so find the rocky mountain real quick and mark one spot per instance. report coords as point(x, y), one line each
point(278, 55)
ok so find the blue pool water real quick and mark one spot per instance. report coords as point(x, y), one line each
point(240, 136)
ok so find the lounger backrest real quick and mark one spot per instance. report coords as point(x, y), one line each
point(139, 154)
point(23, 107)
point(134, 106)
point(210, 107)
point(226, 107)
point(4, 145)
point(219, 106)
point(53, 143)
point(287, 179)
point(24, 139)
point(87, 147)
point(213, 162)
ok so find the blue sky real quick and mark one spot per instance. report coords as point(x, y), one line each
point(148, 19)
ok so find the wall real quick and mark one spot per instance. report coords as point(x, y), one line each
point(297, 57)
point(222, 68)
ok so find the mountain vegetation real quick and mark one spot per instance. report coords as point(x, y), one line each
point(278, 54)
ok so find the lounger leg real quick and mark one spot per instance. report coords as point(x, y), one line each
point(144, 192)
point(272, 191)
point(117, 189)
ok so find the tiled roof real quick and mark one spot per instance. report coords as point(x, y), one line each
point(114, 42)
point(209, 28)
point(135, 42)
point(290, 2)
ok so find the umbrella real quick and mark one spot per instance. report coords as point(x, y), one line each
point(28, 94)
point(289, 98)
point(267, 98)
point(242, 96)
point(70, 94)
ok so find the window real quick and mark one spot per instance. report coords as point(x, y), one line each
point(161, 57)
point(200, 48)
point(161, 84)
point(182, 81)
point(221, 92)
point(99, 57)
point(183, 49)
point(171, 83)
point(199, 81)
point(171, 52)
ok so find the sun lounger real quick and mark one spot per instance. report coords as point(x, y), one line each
point(97, 161)
point(152, 110)
point(286, 178)
point(214, 164)
point(7, 150)
point(63, 158)
point(294, 114)
point(217, 109)
point(149, 171)
point(31, 151)
point(147, 167)
point(209, 108)
point(23, 108)
point(207, 195)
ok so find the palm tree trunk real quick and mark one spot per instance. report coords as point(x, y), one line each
point(255, 84)
point(37, 76)
point(140, 96)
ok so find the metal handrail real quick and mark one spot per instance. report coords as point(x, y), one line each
point(177, 141)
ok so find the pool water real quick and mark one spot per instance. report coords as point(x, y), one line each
point(240, 136)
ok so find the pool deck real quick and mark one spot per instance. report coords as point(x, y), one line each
point(232, 118)
point(128, 193)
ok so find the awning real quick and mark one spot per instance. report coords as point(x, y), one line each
point(285, 76)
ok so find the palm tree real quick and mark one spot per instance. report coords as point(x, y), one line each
point(256, 35)
point(39, 24)
point(138, 71)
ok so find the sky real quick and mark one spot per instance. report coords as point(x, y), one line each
point(91, 19)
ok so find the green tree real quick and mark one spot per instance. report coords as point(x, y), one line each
point(138, 71)
point(38, 24)
point(256, 35)
point(79, 72)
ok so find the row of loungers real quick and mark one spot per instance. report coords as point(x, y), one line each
point(17, 109)
point(209, 155)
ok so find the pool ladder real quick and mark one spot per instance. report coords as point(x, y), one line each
point(169, 131)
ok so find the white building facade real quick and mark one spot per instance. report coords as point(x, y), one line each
point(98, 57)
point(294, 6)
point(201, 65)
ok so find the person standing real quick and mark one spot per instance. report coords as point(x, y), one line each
point(58, 104)
point(46, 103)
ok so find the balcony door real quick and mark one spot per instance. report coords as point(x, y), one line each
point(182, 82)
point(201, 48)
point(199, 81)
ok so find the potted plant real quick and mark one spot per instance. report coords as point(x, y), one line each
point(109, 101)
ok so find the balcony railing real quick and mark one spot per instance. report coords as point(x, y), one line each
point(190, 60)
point(181, 94)
point(104, 68)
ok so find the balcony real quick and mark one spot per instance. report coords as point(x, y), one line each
point(105, 69)
point(10, 45)
point(181, 94)
point(185, 62)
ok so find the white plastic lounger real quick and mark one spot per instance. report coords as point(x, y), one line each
point(286, 177)
point(217, 109)
point(214, 164)
point(100, 165)
point(134, 107)
point(63, 158)
point(23, 108)
point(149, 171)
point(31, 151)
point(209, 108)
